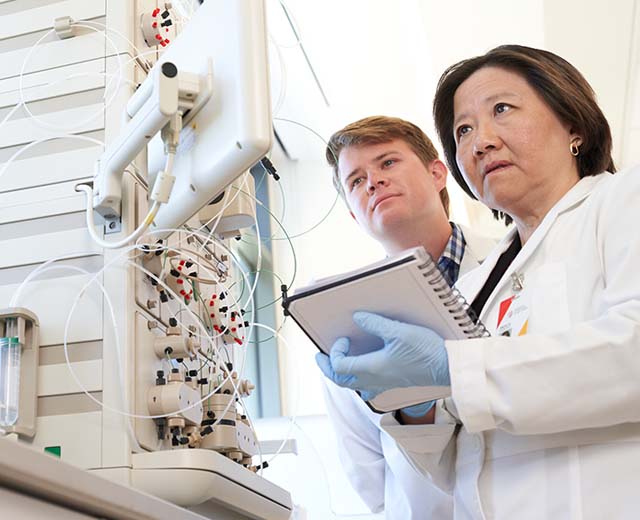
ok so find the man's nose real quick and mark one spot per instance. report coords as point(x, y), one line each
point(375, 180)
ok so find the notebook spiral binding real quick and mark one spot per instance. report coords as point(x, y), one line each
point(453, 301)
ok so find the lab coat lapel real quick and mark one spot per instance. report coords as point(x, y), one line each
point(478, 247)
point(470, 286)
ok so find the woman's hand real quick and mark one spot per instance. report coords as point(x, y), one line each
point(411, 356)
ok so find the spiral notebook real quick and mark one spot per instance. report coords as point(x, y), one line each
point(406, 287)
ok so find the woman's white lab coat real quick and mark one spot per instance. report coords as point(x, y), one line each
point(551, 419)
point(376, 468)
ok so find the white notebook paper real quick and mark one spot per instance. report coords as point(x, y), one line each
point(407, 287)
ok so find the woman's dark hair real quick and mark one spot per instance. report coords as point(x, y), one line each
point(557, 82)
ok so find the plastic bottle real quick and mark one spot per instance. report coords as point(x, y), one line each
point(10, 350)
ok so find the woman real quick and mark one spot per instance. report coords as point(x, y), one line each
point(550, 403)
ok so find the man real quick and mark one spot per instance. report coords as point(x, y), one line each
point(389, 174)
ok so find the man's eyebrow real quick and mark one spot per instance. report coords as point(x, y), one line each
point(377, 158)
point(384, 154)
point(354, 172)
point(490, 99)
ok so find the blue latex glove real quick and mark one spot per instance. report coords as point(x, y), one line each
point(418, 410)
point(411, 356)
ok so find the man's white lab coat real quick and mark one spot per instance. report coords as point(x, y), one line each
point(551, 419)
point(376, 468)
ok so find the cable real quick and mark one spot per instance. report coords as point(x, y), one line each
point(121, 243)
point(142, 228)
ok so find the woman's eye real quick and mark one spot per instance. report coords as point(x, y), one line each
point(462, 130)
point(501, 108)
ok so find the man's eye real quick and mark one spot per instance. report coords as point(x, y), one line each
point(388, 162)
point(355, 182)
point(501, 108)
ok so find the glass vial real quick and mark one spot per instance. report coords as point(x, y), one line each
point(10, 350)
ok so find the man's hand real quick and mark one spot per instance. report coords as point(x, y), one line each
point(411, 356)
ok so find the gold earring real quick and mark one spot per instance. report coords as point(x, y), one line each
point(573, 147)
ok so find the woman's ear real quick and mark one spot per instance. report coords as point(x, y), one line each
point(575, 138)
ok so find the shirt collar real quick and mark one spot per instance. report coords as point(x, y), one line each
point(451, 258)
point(455, 247)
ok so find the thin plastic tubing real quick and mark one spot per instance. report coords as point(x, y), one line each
point(43, 140)
point(218, 216)
point(114, 31)
point(75, 126)
point(335, 201)
point(297, 394)
point(206, 337)
point(46, 267)
point(66, 331)
point(293, 251)
point(236, 304)
point(259, 245)
point(11, 112)
point(40, 268)
point(118, 353)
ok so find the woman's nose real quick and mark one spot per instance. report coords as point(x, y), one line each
point(485, 140)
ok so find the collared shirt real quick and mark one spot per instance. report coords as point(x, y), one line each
point(449, 262)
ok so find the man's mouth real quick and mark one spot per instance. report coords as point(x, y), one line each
point(381, 199)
